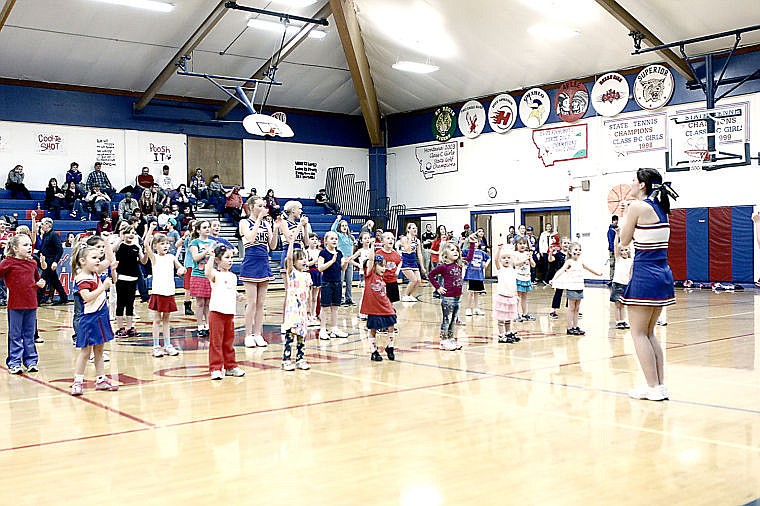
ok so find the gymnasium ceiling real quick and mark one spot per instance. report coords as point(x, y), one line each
point(481, 46)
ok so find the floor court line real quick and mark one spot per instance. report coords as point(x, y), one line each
point(73, 440)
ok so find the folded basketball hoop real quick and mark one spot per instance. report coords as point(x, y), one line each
point(697, 158)
point(262, 124)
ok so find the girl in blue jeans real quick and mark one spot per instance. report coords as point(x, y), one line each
point(450, 269)
point(346, 247)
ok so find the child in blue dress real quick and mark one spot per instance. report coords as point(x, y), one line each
point(94, 324)
point(475, 275)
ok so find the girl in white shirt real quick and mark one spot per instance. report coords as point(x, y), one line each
point(505, 295)
point(571, 278)
point(623, 267)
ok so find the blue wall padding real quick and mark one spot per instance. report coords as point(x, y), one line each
point(697, 233)
point(743, 245)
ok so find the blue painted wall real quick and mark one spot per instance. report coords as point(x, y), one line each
point(78, 108)
point(416, 127)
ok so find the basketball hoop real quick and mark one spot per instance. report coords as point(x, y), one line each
point(697, 158)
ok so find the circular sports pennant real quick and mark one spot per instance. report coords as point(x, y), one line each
point(443, 123)
point(534, 108)
point(472, 119)
point(502, 113)
point(571, 102)
point(653, 87)
point(610, 94)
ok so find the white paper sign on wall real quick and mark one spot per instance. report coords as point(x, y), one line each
point(435, 159)
point(50, 143)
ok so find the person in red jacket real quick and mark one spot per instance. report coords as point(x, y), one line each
point(21, 276)
point(375, 304)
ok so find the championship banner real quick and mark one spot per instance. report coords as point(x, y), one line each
point(637, 134)
point(435, 159)
point(560, 144)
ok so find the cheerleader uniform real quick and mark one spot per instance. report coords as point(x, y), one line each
point(94, 324)
point(199, 283)
point(255, 267)
point(162, 293)
point(409, 260)
point(296, 244)
point(316, 276)
point(651, 281)
point(522, 273)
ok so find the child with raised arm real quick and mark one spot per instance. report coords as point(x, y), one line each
point(475, 274)
point(570, 278)
point(94, 324)
point(365, 252)
point(295, 320)
point(450, 269)
point(312, 255)
point(381, 317)
point(505, 295)
point(201, 247)
point(620, 279)
point(523, 261)
point(162, 301)
point(331, 264)
point(128, 254)
point(22, 278)
point(222, 306)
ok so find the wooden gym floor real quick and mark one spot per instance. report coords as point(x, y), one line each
point(546, 420)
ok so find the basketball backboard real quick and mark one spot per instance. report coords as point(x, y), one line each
point(726, 146)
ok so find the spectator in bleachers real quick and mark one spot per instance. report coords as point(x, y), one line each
point(216, 193)
point(139, 222)
point(160, 197)
point(73, 197)
point(105, 224)
point(15, 183)
point(99, 201)
point(165, 180)
point(198, 185)
point(272, 204)
point(172, 235)
point(54, 198)
point(97, 176)
point(180, 197)
point(323, 200)
point(71, 240)
point(147, 203)
point(233, 206)
point(127, 206)
point(75, 176)
point(164, 217)
point(145, 180)
point(52, 250)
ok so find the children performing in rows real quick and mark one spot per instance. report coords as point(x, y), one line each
point(381, 317)
point(505, 295)
point(296, 315)
point(450, 269)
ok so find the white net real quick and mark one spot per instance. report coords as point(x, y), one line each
point(696, 158)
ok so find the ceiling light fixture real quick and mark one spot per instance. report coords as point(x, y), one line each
point(271, 26)
point(552, 31)
point(151, 5)
point(414, 67)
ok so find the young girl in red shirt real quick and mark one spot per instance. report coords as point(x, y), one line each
point(375, 304)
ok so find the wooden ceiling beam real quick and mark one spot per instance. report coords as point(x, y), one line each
point(356, 56)
point(190, 44)
point(5, 11)
point(626, 19)
point(290, 46)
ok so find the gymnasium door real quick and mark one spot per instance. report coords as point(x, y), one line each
point(216, 156)
point(484, 221)
point(714, 244)
point(560, 220)
point(496, 227)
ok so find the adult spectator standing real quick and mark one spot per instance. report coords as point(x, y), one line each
point(650, 289)
point(323, 200)
point(127, 206)
point(165, 180)
point(15, 183)
point(611, 233)
point(545, 241)
point(511, 235)
point(99, 201)
point(97, 176)
point(533, 249)
point(521, 232)
point(52, 250)
point(427, 242)
point(74, 175)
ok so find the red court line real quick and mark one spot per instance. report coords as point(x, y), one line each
point(71, 440)
point(89, 401)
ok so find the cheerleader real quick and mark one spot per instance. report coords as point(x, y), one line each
point(411, 256)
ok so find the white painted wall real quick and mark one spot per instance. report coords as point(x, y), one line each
point(509, 162)
point(23, 143)
point(268, 164)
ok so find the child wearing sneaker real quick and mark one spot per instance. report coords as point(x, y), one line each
point(571, 278)
point(557, 259)
point(505, 295)
point(312, 254)
point(22, 278)
point(375, 304)
point(523, 261)
point(296, 317)
point(95, 322)
point(623, 267)
point(162, 301)
point(365, 253)
point(331, 264)
point(128, 253)
point(450, 269)
point(201, 247)
point(222, 306)
point(392, 266)
point(475, 275)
